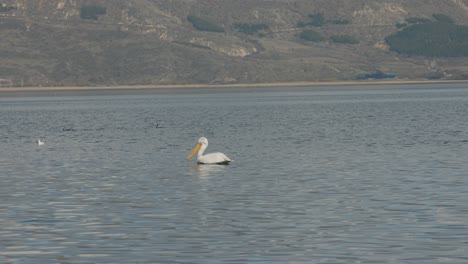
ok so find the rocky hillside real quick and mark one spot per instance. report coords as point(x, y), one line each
point(118, 42)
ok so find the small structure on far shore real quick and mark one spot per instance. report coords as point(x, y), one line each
point(6, 83)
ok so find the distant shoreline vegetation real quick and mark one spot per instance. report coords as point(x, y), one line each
point(378, 75)
point(440, 37)
point(5, 8)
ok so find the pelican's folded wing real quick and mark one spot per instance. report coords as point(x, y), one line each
point(214, 158)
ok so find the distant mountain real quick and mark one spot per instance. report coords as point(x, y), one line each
point(121, 42)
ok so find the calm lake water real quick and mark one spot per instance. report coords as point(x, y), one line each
point(374, 174)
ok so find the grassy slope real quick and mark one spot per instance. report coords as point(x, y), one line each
point(150, 42)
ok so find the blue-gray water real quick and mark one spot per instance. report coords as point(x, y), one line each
point(321, 175)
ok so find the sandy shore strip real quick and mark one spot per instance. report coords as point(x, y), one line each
point(242, 85)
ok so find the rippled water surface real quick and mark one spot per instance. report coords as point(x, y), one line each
point(321, 175)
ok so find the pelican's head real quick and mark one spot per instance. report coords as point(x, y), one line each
point(201, 142)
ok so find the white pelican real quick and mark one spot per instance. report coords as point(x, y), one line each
point(211, 158)
point(39, 142)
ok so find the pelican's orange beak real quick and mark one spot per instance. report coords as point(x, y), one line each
point(194, 151)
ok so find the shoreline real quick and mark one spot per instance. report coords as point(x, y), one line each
point(240, 85)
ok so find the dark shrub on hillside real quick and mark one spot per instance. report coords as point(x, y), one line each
point(250, 29)
point(401, 25)
point(301, 24)
point(311, 35)
point(344, 39)
point(204, 25)
point(340, 22)
point(433, 39)
point(443, 18)
point(417, 20)
point(316, 20)
point(92, 12)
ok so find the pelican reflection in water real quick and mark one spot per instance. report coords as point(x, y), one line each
point(203, 170)
point(211, 158)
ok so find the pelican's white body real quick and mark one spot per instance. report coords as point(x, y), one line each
point(211, 158)
point(39, 142)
